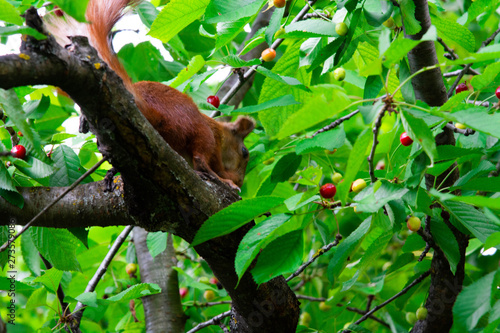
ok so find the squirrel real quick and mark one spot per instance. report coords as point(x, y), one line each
point(209, 146)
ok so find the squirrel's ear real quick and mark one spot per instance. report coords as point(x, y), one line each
point(243, 126)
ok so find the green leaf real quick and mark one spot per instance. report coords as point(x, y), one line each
point(418, 130)
point(472, 303)
point(236, 62)
point(194, 66)
point(14, 30)
point(274, 103)
point(285, 167)
point(281, 78)
point(376, 16)
point(88, 298)
point(75, 9)
point(486, 184)
point(356, 159)
point(4, 237)
point(274, 24)
point(38, 298)
point(227, 31)
point(282, 255)
point(177, 15)
point(476, 8)
point(9, 13)
point(30, 254)
point(483, 168)
point(474, 220)
point(325, 53)
point(229, 10)
point(310, 28)
point(68, 168)
point(345, 249)
point(476, 118)
point(58, 246)
point(256, 239)
point(157, 242)
point(492, 241)
point(137, 291)
point(371, 200)
point(322, 105)
point(412, 26)
point(50, 279)
point(407, 89)
point(454, 101)
point(446, 240)
point(234, 217)
point(447, 152)
point(6, 182)
point(401, 261)
point(482, 81)
point(454, 32)
point(328, 140)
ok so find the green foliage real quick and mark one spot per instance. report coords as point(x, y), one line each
point(291, 98)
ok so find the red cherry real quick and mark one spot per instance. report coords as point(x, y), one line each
point(58, 12)
point(268, 55)
point(497, 92)
point(405, 139)
point(183, 292)
point(213, 280)
point(327, 191)
point(214, 100)
point(461, 87)
point(18, 152)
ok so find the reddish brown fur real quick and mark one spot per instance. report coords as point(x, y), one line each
point(209, 146)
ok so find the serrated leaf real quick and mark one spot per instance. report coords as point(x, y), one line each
point(227, 31)
point(447, 152)
point(157, 242)
point(486, 184)
point(9, 13)
point(286, 65)
point(38, 298)
point(310, 28)
point(477, 8)
point(370, 201)
point(234, 216)
point(418, 130)
point(236, 62)
point(58, 246)
point(256, 239)
point(194, 66)
point(274, 24)
point(446, 240)
point(282, 255)
point(137, 291)
point(6, 182)
point(30, 254)
point(483, 168)
point(452, 31)
point(285, 167)
point(88, 298)
point(147, 12)
point(411, 24)
point(50, 279)
point(345, 249)
point(454, 101)
point(38, 169)
point(356, 159)
point(75, 9)
point(323, 106)
point(473, 302)
point(482, 81)
point(325, 53)
point(474, 220)
point(407, 89)
point(398, 50)
point(68, 168)
point(176, 15)
point(229, 10)
point(328, 140)
point(274, 103)
point(281, 78)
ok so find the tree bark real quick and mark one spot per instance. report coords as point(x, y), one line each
point(163, 311)
point(429, 87)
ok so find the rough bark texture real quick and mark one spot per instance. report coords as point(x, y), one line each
point(429, 87)
point(161, 191)
point(163, 311)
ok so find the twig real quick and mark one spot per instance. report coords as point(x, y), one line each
point(78, 181)
point(336, 123)
point(80, 307)
point(320, 252)
point(348, 308)
point(427, 244)
point(402, 292)
point(376, 128)
point(214, 321)
point(252, 69)
point(454, 56)
point(223, 327)
point(458, 71)
point(465, 132)
point(206, 304)
point(369, 303)
point(468, 66)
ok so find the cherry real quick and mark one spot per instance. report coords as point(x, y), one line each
point(131, 268)
point(213, 280)
point(413, 223)
point(183, 292)
point(358, 185)
point(209, 295)
point(339, 74)
point(214, 100)
point(411, 318)
point(279, 3)
point(336, 177)
point(204, 280)
point(497, 92)
point(460, 126)
point(341, 29)
point(421, 313)
point(18, 152)
point(380, 165)
point(328, 191)
point(268, 55)
point(58, 11)
point(324, 307)
point(405, 139)
point(461, 87)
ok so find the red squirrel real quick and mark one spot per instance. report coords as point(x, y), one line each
point(209, 146)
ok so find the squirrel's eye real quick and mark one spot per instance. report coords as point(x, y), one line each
point(244, 151)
